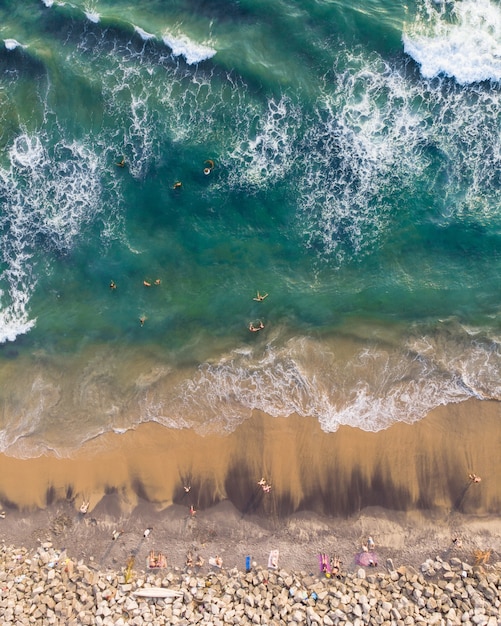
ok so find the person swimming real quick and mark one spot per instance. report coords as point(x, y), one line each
point(255, 329)
point(209, 166)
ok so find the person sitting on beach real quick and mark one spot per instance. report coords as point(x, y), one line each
point(84, 507)
point(200, 561)
point(260, 297)
point(189, 559)
point(187, 488)
point(117, 534)
point(266, 488)
point(370, 543)
point(474, 478)
point(255, 329)
point(193, 511)
point(218, 561)
point(147, 532)
point(261, 482)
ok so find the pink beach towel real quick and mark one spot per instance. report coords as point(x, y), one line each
point(325, 566)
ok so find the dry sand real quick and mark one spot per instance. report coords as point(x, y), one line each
point(407, 486)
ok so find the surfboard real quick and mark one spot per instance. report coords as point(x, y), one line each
point(157, 592)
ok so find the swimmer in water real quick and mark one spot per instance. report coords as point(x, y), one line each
point(255, 329)
point(209, 166)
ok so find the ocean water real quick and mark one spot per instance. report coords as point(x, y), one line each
point(356, 153)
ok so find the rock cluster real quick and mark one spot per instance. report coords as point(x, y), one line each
point(46, 587)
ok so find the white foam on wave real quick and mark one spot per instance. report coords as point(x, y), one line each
point(92, 16)
point(372, 389)
point(12, 44)
point(460, 40)
point(143, 34)
point(45, 196)
point(264, 153)
point(48, 3)
point(365, 141)
point(193, 52)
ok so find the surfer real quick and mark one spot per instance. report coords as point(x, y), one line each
point(209, 166)
point(255, 329)
point(121, 163)
point(146, 283)
point(260, 297)
point(177, 185)
point(142, 319)
point(113, 285)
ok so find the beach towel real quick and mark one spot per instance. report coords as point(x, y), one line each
point(273, 559)
point(325, 566)
point(247, 564)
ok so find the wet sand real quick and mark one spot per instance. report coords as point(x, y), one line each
point(407, 486)
point(423, 466)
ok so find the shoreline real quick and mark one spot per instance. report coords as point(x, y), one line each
point(407, 487)
point(407, 467)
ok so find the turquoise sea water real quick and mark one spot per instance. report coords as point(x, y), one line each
point(357, 169)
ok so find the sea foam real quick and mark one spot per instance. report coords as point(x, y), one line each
point(143, 34)
point(12, 44)
point(464, 44)
point(193, 52)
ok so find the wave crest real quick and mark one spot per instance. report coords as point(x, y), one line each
point(461, 40)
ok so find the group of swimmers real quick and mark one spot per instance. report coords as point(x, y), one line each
point(208, 167)
point(254, 328)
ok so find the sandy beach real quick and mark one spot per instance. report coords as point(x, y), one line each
point(407, 486)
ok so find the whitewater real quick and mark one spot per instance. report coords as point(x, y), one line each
point(354, 177)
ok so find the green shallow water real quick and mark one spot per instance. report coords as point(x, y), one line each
point(356, 189)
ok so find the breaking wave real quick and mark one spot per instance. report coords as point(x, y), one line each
point(461, 40)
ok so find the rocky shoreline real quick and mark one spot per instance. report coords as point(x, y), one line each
point(45, 586)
